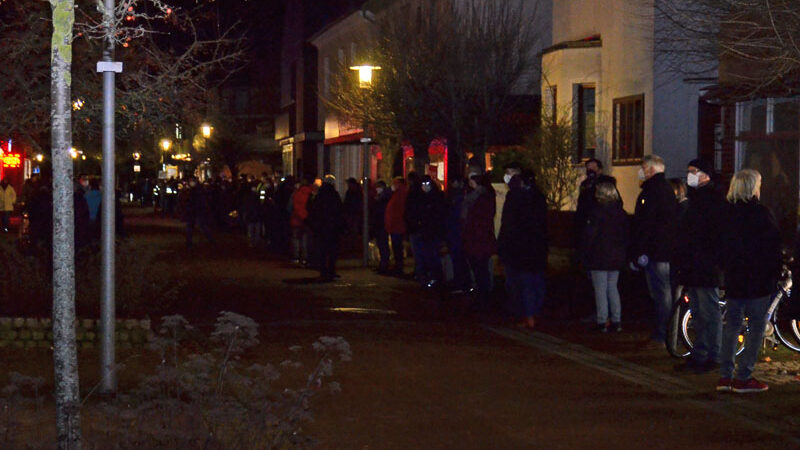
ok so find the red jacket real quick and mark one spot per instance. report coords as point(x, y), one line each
point(395, 222)
point(300, 206)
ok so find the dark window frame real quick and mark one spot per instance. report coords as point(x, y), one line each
point(632, 135)
point(582, 151)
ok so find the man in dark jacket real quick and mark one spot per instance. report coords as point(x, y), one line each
point(652, 234)
point(522, 245)
point(378, 224)
point(326, 218)
point(697, 264)
point(431, 213)
point(197, 212)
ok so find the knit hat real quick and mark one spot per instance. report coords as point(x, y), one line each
point(703, 166)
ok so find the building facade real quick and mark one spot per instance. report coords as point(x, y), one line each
point(623, 102)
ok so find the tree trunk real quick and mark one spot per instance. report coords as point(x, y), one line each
point(65, 353)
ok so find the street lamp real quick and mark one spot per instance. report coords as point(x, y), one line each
point(365, 82)
point(206, 129)
point(166, 144)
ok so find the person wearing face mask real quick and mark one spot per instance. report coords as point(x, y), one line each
point(698, 265)
point(652, 232)
point(431, 228)
point(511, 169)
point(586, 202)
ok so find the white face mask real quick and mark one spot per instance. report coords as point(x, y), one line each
point(692, 179)
point(506, 178)
point(641, 174)
point(379, 190)
point(426, 187)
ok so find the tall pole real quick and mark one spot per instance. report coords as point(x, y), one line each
point(365, 195)
point(108, 380)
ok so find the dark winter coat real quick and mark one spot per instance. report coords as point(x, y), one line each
point(378, 212)
point(586, 202)
point(605, 237)
point(326, 213)
point(478, 230)
point(696, 261)
point(432, 215)
point(414, 209)
point(751, 250)
point(251, 207)
point(197, 206)
point(522, 242)
point(653, 226)
point(395, 222)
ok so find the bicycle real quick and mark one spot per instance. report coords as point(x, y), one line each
point(680, 333)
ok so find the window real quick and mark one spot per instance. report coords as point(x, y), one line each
point(353, 52)
point(551, 102)
point(341, 57)
point(628, 131)
point(584, 120)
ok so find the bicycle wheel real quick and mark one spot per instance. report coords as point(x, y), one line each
point(676, 343)
point(688, 331)
point(786, 330)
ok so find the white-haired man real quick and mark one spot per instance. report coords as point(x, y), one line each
point(651, 240)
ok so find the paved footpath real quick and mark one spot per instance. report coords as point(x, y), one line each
point(422, 378)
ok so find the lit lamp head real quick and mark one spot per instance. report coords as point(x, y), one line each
point(365, 74)
point(166, 144)
point(206, 130)
point(73, 152)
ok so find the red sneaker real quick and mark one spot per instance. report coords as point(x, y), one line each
point(724, 385)
point(751, 385)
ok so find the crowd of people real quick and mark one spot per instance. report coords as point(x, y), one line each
point(37, 202)
point(683, 232)
point(686, 233)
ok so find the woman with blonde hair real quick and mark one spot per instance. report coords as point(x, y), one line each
point(751, 262)
point(603, 252)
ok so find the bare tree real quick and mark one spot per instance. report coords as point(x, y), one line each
point(753, 44)
point(170, 67)
point(450, 68)
point(65, 355)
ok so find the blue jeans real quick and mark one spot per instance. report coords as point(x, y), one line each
point(606, 295)
point(525, 290)
point(755, 309)
point(707, 321)
point(657, 276)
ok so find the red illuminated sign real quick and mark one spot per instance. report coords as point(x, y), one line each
point(11, 160)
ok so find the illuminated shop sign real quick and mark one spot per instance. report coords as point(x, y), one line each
point(11, 160)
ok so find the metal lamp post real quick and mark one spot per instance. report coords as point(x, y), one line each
point(365, 82)
point(109, 68)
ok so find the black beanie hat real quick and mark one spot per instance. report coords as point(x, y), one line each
point(702, 165)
